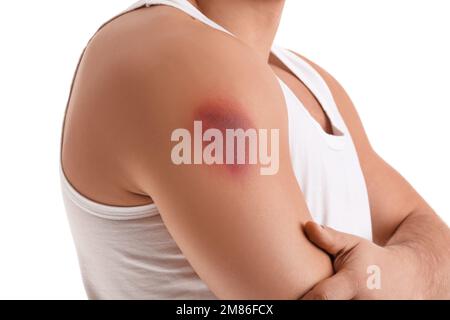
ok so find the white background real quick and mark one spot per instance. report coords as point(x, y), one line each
point(392, 57)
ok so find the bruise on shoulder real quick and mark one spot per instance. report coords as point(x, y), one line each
point(223, 136)
point(229, 137)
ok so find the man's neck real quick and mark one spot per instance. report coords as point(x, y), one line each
point(255, 22)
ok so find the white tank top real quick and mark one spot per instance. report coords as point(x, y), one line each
point(127, 253)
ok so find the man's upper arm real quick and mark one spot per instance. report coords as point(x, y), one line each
point(240, 230)
point(391, 197)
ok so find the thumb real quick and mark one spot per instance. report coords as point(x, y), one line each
point(342, 286)
point(328, 239)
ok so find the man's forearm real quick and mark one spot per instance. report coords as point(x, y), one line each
point(424, 239)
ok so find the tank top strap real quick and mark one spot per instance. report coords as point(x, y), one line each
point(182, 5)
point(315, 83)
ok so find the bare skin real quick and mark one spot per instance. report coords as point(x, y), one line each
point(116, 151)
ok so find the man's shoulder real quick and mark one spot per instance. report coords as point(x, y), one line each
point(163, 51)
point(159, 38)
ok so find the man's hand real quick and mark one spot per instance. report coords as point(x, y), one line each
point(352, 258)
point(415, 257)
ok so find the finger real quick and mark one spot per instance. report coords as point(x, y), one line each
point(342, 286)
point(328, 239)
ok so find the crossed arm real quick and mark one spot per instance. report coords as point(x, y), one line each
point(412, 243)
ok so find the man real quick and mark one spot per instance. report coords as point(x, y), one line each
point(153, 76)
